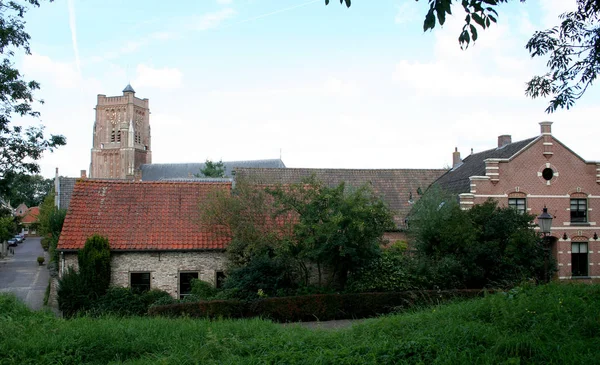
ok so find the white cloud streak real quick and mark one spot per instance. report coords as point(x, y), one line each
point(73, 26)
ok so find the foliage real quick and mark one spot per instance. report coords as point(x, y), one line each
point(8, 227)
point(484, 246)
point(203, 290)
point(152, 296)
point(73, 293)
point(574, 51)
point(338, 228)
point(19, 147)
point(549, 324)
point(390, 272)
point(40, 260)
point(118, 301)
point(271, 275)
point(247, 217)
point(94, 265)
point(573, 46)
point(50, 220)
point(212, 169)
point(319, 307)
point(24, 188)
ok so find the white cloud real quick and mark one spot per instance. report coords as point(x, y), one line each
point(224, 2)
point(161, 78)
point(62, 75)
point(211, 20)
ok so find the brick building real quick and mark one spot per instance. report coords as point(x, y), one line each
point(532, 174)
point(153, 229)
point(121, 142)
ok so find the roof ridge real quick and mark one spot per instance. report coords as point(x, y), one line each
point(503, 147)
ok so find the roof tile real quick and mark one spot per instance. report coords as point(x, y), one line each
point(140, 215)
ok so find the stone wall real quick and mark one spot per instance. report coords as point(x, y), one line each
point(164, 267)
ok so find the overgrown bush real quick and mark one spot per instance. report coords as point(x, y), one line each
point(118, 301)
point(94, 264)
point(73, 294)
point(485, 246)
point(391, 272)
point(262, 273)
point(312, 307)
point(203, 290)
point(152, 296)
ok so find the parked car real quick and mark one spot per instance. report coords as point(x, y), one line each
point(12, 242)
point(19, 238)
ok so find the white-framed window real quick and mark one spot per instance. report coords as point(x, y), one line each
point(578, 210)
point(579, 259)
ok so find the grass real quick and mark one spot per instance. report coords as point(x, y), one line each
point(552, 324)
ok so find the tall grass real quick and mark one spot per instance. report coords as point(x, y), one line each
point(552, 324)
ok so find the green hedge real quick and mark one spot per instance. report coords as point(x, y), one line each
point(320, 307)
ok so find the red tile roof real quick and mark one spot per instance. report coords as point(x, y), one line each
point(140, 215)
point(31, 216)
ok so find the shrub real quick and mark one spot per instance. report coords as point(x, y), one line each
point(312, 307)
point(162, 301)
point(203, 290)
point(94, 264)
point(390, 272)
point(73, 295)
point(262, 272)
point(45, 242)
point(119, 301)
point(212, 309)
point(152, 296)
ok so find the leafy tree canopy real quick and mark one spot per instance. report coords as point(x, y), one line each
point(24, 188)
point(572, 46)
point(212, 169)
point(20, 147)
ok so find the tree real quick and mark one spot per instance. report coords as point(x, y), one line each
point(50, 222)
point(94, 265)
point(212, 169)
point(338, 228)
point(20, 147)
point(484, 246)
point(573, 46)
point(24, 188)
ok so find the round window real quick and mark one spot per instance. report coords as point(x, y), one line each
point(548, 173)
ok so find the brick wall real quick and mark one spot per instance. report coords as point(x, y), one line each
point(164, 267)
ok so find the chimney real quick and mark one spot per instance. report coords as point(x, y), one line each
point(456, 158)
point(83, 174)
point(546, 128)
point(503, 140)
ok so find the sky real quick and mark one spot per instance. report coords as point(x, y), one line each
point(320, 86)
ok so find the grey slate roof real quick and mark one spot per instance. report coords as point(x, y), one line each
point(456, 181)
point(65, 190)
point(395, 186)
point(169, 171)
point(128, 88)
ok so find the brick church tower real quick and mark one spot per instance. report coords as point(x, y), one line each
point(121, 136)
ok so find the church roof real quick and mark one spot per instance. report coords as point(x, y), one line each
point(128, 88)
point(140, 216)
point(398, 188)
point(170, 171)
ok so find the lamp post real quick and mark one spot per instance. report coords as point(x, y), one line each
point(545, 223)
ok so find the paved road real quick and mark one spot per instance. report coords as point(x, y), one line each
point(22, 275)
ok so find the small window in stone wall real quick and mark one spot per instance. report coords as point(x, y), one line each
point(185, 282)
point(139, 281)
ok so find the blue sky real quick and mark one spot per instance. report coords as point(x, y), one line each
point(325, 86)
